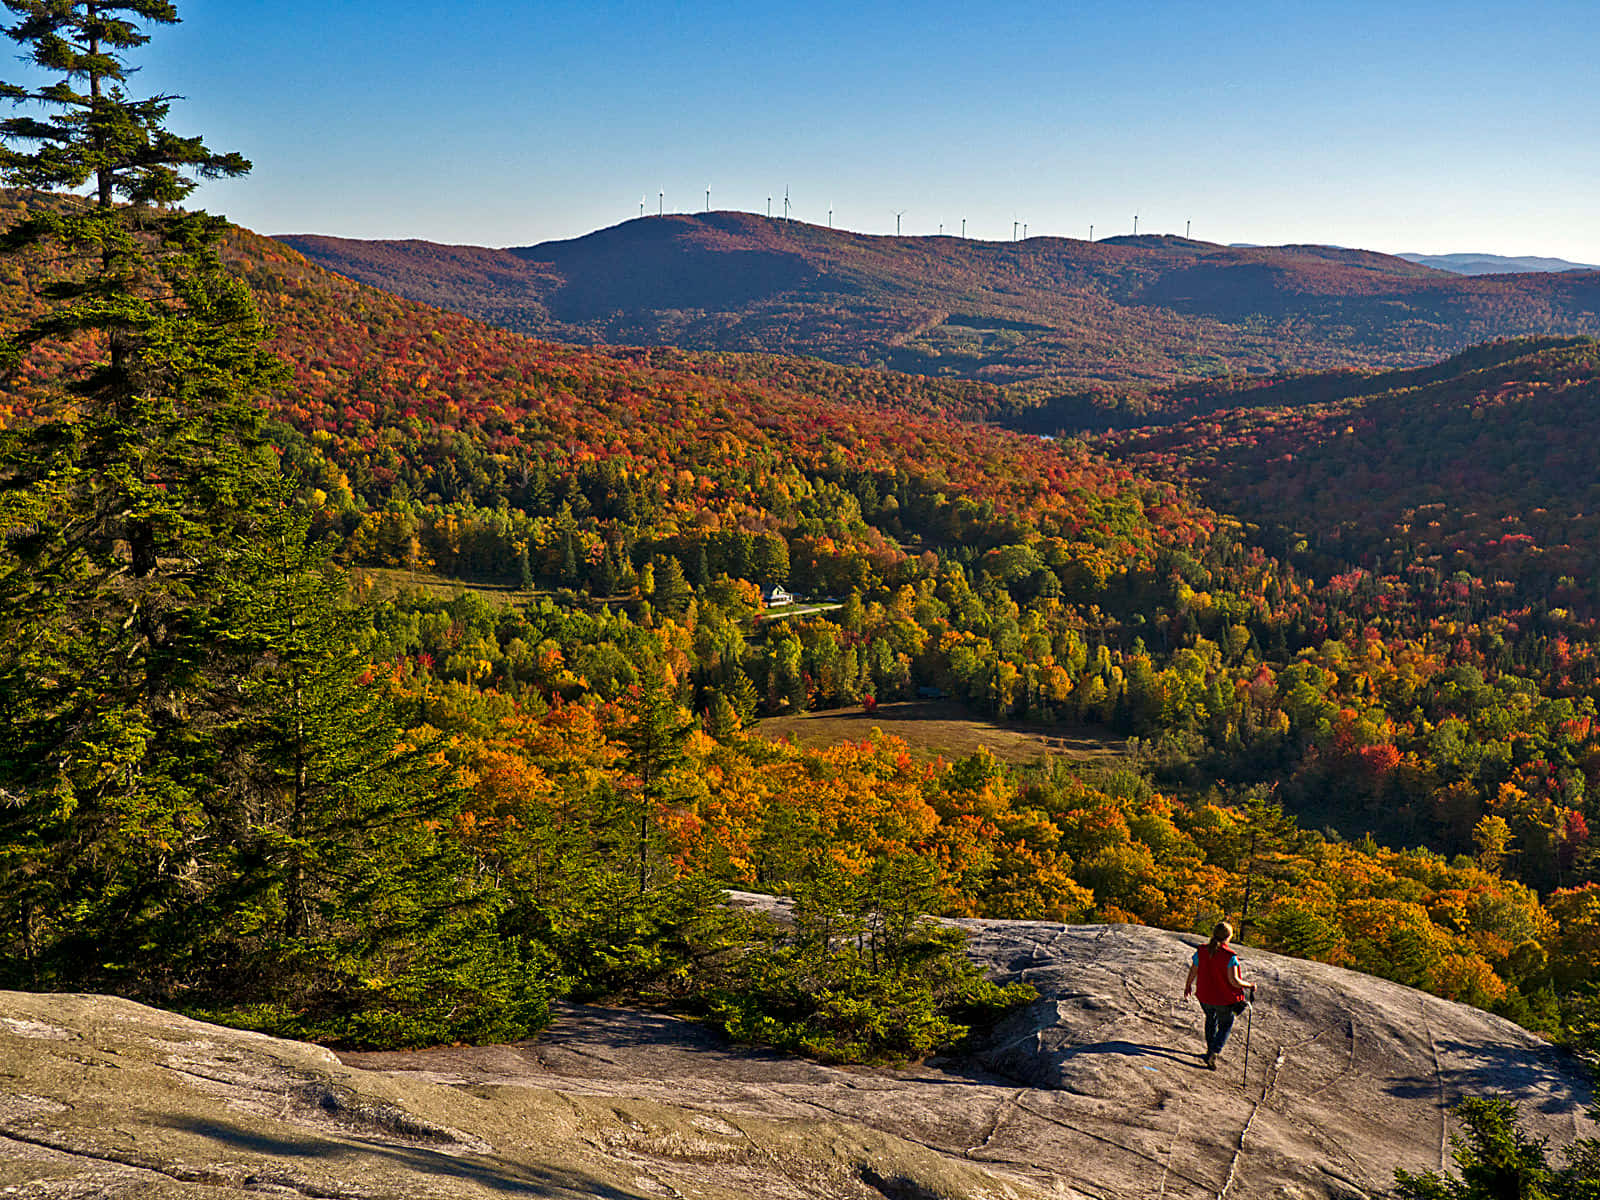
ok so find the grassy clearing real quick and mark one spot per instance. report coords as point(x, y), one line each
point(939, 728)
point(385, 582)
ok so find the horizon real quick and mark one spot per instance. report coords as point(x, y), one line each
point(1429, 130)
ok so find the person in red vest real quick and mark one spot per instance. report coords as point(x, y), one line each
point(1217, 982)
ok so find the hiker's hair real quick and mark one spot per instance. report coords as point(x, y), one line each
point(1220, 932)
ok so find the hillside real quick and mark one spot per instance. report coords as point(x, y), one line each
point(393, 401)
point(1054, 314)
point(1093, 1090)
point(273, 761)
point(1172, 404)
point(1485, 463)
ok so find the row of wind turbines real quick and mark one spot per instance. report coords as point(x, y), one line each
point(661, 210)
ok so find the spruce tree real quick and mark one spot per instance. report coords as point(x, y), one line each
point(672, 588)
point(655, 740)
point(339, 898)
point(200, 800)
point(124, 496)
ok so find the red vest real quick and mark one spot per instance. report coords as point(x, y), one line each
point(1211, 984)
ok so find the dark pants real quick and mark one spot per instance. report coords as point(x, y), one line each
point(1219, 1024)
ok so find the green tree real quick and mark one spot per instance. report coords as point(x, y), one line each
point(860, 975)
point(200, 802)
point(722, 718)
point(742, 693)
point(339, 894)
point(122, 500)
point(769, 564)
point(672, 588)
point(655, 737)
point(1496, 1160)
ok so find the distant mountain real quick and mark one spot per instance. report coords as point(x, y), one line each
point(1494, 264)
point(1054, 315)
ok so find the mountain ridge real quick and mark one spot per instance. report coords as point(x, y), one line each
point(1045, 316)
point(1495, 264)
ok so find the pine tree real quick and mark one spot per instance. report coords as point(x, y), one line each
point(722, 718)
point(655, 741)
point(524, 567)
point(123, 498)
point(1497, 1160)
point(200, 803)
point(742, 693)
point(672, 587)
point(337, 896)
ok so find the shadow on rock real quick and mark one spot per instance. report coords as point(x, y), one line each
point(492, 1175)
point(1545, 1083)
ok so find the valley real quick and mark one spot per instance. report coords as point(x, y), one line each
point(767, 707)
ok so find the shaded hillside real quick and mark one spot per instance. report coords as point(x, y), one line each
point(1096, 1089)
point(1051, 313)
point(1173, 403)
point(1485, 464)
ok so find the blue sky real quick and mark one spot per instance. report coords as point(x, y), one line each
point(1396, 126)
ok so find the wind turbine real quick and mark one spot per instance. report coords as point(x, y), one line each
point(1014, 226)
point(641, 206)
point(963, 227)
point(1024, 231)
point(1091, 231)
point(1135, 224)
point(1186, 225)
point(830, 216)
point(708, 199)
point(769, 208)
point(661, 202)
point(897, 217)
point(785, 204)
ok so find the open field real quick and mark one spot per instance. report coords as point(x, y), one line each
point(934, 728)
point(391, 581)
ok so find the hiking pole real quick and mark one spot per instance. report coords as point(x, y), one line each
point(1249, 1023)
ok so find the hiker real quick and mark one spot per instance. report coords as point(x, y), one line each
point(1216, 981)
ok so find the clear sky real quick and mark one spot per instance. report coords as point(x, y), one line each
point(1400, 125)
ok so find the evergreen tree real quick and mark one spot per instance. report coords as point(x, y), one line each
point(123, 498)
point(1496, 1160)
point(607, 576)
point(568, 573)
point(655, 741)
point(769, 564)
point(337, 895)
point(524, 567)
point(672, 588)
point(722, 718)
point(200, 802)
point(1261, 841)
point(742, 693)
